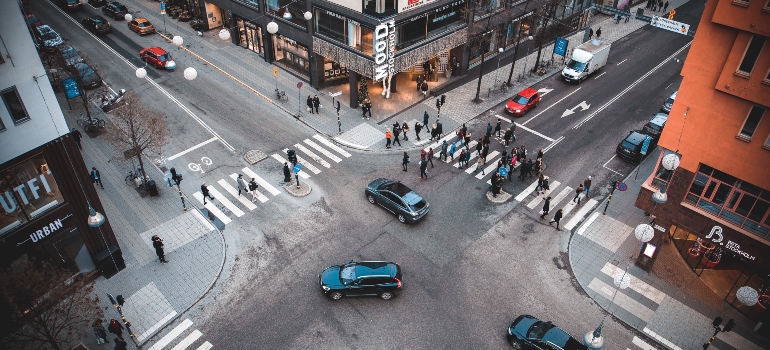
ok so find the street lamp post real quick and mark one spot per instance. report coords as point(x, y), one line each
point(499, 57)
point(526, 60)
point(669, 162)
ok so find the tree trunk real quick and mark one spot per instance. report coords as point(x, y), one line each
point(141, 168)
point(481, 75)
point(515, 55)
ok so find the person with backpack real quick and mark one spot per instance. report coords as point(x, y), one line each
point(253, 188)
point(443, 152)
point(405, 161)
point(578, 194)
point(462, 158)
point(452, 150)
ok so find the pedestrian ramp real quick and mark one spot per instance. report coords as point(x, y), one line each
point(182, 337)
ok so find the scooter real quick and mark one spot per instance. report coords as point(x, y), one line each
point(109, 101)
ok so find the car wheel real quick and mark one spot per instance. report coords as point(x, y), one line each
point(386, 295)
point(371, 199)
point(516, 344)
point(402, 218)
point(335, 296)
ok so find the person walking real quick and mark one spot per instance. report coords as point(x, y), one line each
point(462, 158)
point(452, 150)
point(423, 155)
point(115, 327)
point(511, 166)
point(485, 152)
point(467, 140)
point(417, 129)
point(419, 82)
point(430, 156)
point(460, 136)
point(405, 130)
point(522, 170)
point(424, 89)
point(434, 133)
point(546, 208)
point(587, 185)
point(530, 167)
point(578, 192)
point(443, 152)
point(388, 135)
point(316, 103)
point(96, 177)
point(405, 161)
point(480, 165)
point(286, 173)
point(205, 192)
point(77, 135)
point(309, 104)
point(368, 105)
point(507, 137)
point(157, 243)
point(540, 153)
point(498, 126)
point(424, 169)
point(546, 185)
point(396, 133)
point(425, 119)
point(479, 146)
point(467, 158)
point(120, 344)
point(241, 184)
point(599, 32)
point(556, 219)
point(665, 7)
point(489, 129)
point(539, 184)
point(253, 188)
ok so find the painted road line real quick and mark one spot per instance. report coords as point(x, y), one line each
point(234, 192)
point(559, 197)
point(205, 346)
point(150, 331)
point(549, 107)
point(187, 341)
point(446, 137)
point(492, 165)
point(637, 285)
point(318, 148)
point(308, 166)
point(261, 197)
point(227, 203)
point(588, 222)
point(540, 198)
point(474, 154)
point(553, 144)
point(568, 208)
point(621, 62)
point(459, 150)
point(315, 157)
point(262, 182)
point(331, 145)
point(607, 162)
point(213, 209)
point(662, 340)
point(597, 77)
point(192, 148)
point(580, 214)
point(282, 160)
point(526, 192)
point(354, 145)
point(641, 344)
point(173, 334)
point(503, 118)
point(534, 132)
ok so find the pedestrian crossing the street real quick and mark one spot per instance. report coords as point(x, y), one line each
point(188, 342)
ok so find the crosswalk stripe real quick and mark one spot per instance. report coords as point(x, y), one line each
point(526, 192)
point(227, 203)
point(535, 202)
point(205, 346)
point(212, 208)
point(559, 197)
point(234, 192)
point(458, 151)
point(568, 208)
point(318, 148)
point(302, 174)
point(581, 213)
point(474, 154)
point(492, 165)
point(446, 137)
point(177, 330)
point(262, 182)
point(331, 145)
point(187, 341)
point(312, 155)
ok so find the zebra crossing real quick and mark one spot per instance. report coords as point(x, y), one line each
point(315, 155)
point(188, 341)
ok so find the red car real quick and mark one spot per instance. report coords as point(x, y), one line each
point(524, 101)
point(158, 58)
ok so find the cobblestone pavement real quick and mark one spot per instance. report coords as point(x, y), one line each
point(670, 304)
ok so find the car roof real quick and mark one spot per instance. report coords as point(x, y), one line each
point(375, 268)
point(528, 92)
point(141, 20)
point(659, 119)
point(156, 50)
point(97, 19)
point(636, 138)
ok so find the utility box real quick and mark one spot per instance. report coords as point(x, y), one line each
point(152, 188)
point(110, 261)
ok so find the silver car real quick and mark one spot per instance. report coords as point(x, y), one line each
point(69, 55)
point(669, 103)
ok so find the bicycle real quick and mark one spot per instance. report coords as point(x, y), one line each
point(92, 124)
point(281, 95)
point(132, 175)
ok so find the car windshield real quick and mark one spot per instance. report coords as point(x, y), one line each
point(628, 145)
point(670, 101)
point(396, 187)
point(348, 273)
point(578, 66)
point(165, 57)
point(142, 24)
point(539, 329)
point(69, 52)
point(520, 99)
point(49, 36)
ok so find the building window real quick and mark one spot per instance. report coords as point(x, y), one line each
point(752, 121)
point(289, 10)
point(27, 190)
point(741, 203)
point(250, 3)
point(14, 105)
point(485, 7)
point(379, 8)
point(343, 30)
point(430, 24)
point(752, 54)
point(662, 175)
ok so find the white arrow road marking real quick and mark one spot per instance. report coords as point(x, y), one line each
point(282, 160)
point(262, 182)
point(212, 208)
point(331, 145)
point(234, 192)
point(549, 107)
point(571, 111)
point(318, 148)
point(229, 205)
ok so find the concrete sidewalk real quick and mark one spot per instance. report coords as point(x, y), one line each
point(670, 304)
point(156, 294)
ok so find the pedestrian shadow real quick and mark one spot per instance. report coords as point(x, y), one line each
point(213, 219)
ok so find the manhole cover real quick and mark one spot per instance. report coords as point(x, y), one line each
point(254, 156)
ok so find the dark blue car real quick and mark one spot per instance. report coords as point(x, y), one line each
point(380, 278)
point(528, 332)
point(407, 205)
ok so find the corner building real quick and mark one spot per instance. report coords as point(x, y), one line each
point(717, 212)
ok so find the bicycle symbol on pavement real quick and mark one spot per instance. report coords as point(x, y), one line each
point(197, 166)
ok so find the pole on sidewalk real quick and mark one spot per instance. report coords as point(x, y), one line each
point(612, 191)
point(339, 123)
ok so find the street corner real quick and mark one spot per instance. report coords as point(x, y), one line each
point(500, 198)
point(301, 190)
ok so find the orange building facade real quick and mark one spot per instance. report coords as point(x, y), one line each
point(717, 206)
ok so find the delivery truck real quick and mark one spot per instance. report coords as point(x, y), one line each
point(586, 59)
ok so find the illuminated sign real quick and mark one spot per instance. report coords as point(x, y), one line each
point(384, 50)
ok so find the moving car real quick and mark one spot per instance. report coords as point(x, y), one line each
point(97, 24)
point(48, 37)
point(380, 278)
point(158, 58)
point(69, 55)
point(398, 199)
point(115, 10)
point(630, 149)
point(655, 126)
point(87, 76)
point(97, 3)
point(524, 101)
point(70, 4)
point(32, 21)
point(669, 102)
point(141, 25)
point(528, 332)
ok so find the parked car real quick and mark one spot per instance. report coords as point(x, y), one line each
point(398, 199)
point(528, 332)
point(97, 3)
point(47, 37)
point(87, 75)
point(654, 127)
point(69, 55)
point(97, 24)
point(669, 102)
point(70, 4)
point(158, 58)
point(630, 149)
point(378, 278)
point(32, 21)
point(115, 10)
point(523, 102)
point(141, 25)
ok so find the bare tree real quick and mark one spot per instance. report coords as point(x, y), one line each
point(518, 42)
point(59, 67)
point(45, 307)
point(135, 130)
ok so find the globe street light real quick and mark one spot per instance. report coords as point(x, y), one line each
point(669, 162)
point(177, 40)
point(644, 233)
point(141, 73)
point(224, 34)
point(272, 27)
point(128, 17)
point(308, 15)
point(190, 73)
point(499, 56)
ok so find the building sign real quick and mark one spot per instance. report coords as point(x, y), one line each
point(384, 50)
point(667, 24)
point(337, 15)
point(454, 6)
point(27, 190)
point(408, 5)
point(735, 247)
point(45, 231)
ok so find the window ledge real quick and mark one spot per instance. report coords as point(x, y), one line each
point(21, 121)
point(743, 138)
point(766, 82)
point(741, 3)
point(766, 147)
point(742, 74)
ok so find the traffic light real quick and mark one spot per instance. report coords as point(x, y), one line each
point(177, 178)
point(717, 322)
point(443, 99)
point(729, 326)
point(438, 103)
point(292, 156)
point(173, 173)
point(338, 106)
point(120, 300)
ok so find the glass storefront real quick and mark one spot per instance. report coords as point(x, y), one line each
point(379, 8)
point(488, 46)
point(250, 36)
point(27, 190)
point(335, 71)
point(430, 24)
point(343, 30)
point(517, 30)
point(289, 10)
point(292, 54)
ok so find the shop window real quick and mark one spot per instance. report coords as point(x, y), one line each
point(410, 33)
point(250, 36)
point(334, 71)
point(27, 190)
point(379, 8)
point(485, 7)
point(751, 55)
point(517, 30)
point(14, 105)
point(330, 25)
point(343, 30)
point(289, 10)
point(752, 121)
point(291, 54)
point(250, 3)
point(487, 46)
point(445, 20)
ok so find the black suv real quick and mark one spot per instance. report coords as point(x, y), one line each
point(97, 24)
point(654, 127)
point(70, 4)
point(115, 10)
point(528, 332)
point(398, 199)
point(630, 149)
point(379, 278)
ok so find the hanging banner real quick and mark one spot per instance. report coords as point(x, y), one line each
point(667, 24)
point(384, 50)
point(408, 5)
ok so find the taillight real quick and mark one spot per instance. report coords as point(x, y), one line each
point(647, 124)
point(399, 282)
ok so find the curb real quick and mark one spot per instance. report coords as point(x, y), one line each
point(303, 190)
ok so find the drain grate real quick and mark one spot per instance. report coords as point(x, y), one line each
point(254, 156)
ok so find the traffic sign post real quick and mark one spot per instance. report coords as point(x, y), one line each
point(339, 123)
point(163, 13)
point(503, 172)
point(614, 185)
point(275, 75)
point(297, 169)
point(299, 105)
